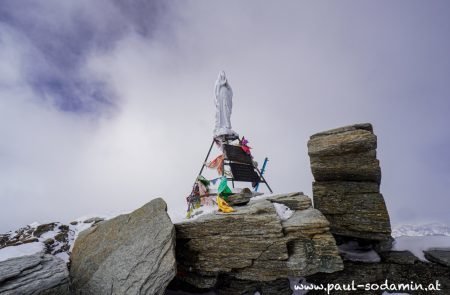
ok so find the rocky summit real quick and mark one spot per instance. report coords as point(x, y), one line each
point(129, 254)
point(347, 178)
point(254, 244)
point(267, 245)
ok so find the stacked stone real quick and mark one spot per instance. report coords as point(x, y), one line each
point(347, 182)
point(254, 247)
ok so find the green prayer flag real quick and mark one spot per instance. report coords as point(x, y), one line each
point(223, 189)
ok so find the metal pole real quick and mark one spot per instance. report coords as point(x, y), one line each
point(207, 156)
point(264, 181)
point(262, 171)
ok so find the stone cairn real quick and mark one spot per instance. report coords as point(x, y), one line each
point(347, 178)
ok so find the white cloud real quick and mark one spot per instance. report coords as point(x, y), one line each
point(294, 72)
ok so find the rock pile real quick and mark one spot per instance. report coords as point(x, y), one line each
point(34, 274)
point(53, 238)
point(54, 235)
point(253, 245)
point(395, 267)
point(347, 182)
point(129, 254)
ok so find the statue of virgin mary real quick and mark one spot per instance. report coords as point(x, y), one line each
point(224, 104)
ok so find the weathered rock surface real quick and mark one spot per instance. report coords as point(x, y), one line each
point(242, 198)
point(129, 254)
point(441, 256)
point(363, 126)
point(295, 201)
point(34, 274)
point(395, 267)
point(347, 179)
point(253, 244)
point(94, 220)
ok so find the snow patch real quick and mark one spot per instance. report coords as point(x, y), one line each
point(261, 197)
point(415, 230)
point(416, 245)
point(21, 250)
point(283, 211)
point(58, 247)
point(353, 252)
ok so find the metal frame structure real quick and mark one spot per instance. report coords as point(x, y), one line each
point(227, 162)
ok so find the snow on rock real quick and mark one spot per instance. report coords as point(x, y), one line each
point(354, 252)
point(417, 244)
point(430, 229)
point(283, 211)
point(51, 238)
point(20, 250)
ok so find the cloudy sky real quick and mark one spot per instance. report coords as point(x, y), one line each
point(105, 105)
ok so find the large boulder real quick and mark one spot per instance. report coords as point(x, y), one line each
point(34, 274)
point(347, 182)
point(253, 244)
point(129, 254)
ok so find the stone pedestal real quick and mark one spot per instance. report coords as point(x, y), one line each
point(347, 182)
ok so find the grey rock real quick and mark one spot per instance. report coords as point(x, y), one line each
point(257, 219)
point(43, 228)
point(294, 201)
point(242, 198)
point(188, 280)
point(438, 255)
point(362, 126)
point(252, 244)
point(396, 269)
point(353, 251)
point(305, 222)
point(350, 167)
point(354, 209)
point(238, 199)
point(93, 220)
point(34, 274)
point(399, 257)
point(56, 238)
point(347, 183)
point(384, 245)
point(49, 241)
point(331, 189)
point(129, 254)
point(356, 215)
point(337, 144)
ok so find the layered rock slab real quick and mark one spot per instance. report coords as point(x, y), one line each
point(438, 255)
point(129, 254)
point(34, 274)
point(347, 178)
point(253, 244)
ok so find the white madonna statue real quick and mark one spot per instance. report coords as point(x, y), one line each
point(224, 104)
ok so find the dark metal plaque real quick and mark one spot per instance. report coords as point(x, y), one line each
point(242, 172)
point(236, 154)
